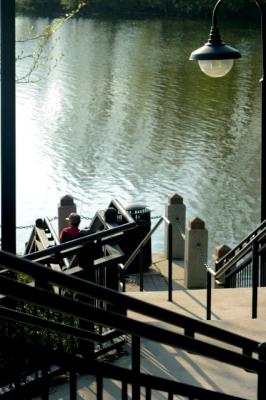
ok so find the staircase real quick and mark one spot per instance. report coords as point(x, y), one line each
point(167, 350)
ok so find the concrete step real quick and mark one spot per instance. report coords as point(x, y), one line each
point(227, 304)
point(231, 312)
point(174, 364)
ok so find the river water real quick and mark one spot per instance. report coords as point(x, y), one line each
point(125, 114)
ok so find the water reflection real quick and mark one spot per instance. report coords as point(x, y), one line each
point(126, 115)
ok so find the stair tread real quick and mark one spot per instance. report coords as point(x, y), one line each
point(226, 303)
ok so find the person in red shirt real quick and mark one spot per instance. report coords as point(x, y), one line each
point(72, 231)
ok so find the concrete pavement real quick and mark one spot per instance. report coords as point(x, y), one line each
point(231, 311)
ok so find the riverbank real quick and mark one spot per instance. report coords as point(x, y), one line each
point(130, 8)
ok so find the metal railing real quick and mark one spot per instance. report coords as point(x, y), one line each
point(17, 291)
point(138, 252)
point(243, 266)
point(70, 248)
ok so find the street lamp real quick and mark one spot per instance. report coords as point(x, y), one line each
point(216, 59)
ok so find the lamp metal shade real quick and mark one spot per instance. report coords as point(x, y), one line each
point(215, 49)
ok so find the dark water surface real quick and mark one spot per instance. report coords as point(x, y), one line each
point(124, 114)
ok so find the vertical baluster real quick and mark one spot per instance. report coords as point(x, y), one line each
point(262, 373)
point(72, 385)
point(263, 265)
point(255, 270)
point(135, 365)
point(99, 380)
point(124, 391)
point(48, 333)
point(148, 393)
point(45, 389)
point(141, 269)
point(170, 256)
point(209, 296)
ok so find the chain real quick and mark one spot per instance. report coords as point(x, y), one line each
point(52, 218)
point(156, 217)
point(49, 218)
point(24, 226)
point(56, 218)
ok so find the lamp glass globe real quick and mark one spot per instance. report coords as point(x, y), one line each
point(216, 68)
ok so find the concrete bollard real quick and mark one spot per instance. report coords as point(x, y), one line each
point(65, 207)
point(196, 253)
point(220, 251)
point(175, 211)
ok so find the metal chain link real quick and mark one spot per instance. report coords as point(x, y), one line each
point(156, 217)
point(56, 218)
point(52, 218)
point(49, 218)
point(24, 226)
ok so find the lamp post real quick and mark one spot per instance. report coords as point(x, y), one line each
point(8, 126)
point(216, 60)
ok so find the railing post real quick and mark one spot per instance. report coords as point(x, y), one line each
point(140, 269)
point(65, 207)
point(196, 250)
point(262, 374)
point(255, 278)
point(209, 296)
point(135, 365)
point(175, 212)
point(170, 259)
point(99, 380)
point(45, 389)
point(122, 278)
point(73, 385)
point(8, 126)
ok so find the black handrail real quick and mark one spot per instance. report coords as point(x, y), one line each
point(101, 370)
point(71, 247)
point(240, 248)
point(91, 290)
point(137, 251)
point(87, 312)
point(248, 245)
point(67, 249)
point(84, 311)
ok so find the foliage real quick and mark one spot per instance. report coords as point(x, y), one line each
point(39, 7)
point(40, 58)
point(134, 8)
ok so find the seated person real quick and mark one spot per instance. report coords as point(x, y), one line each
point(72, 231)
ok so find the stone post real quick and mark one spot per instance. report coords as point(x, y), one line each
point(175, 211)
point(196, 253)
point(220, 251)
point(65, 207)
